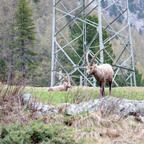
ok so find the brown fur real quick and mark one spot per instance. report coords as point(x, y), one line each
point(63, 87)
point(102, 73)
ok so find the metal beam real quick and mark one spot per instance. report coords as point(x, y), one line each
point(73, 18)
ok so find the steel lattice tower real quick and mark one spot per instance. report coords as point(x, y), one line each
point(63, 46)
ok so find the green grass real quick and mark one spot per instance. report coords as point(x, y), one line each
point(132, 93)
point(78, 95)
point(50, 97)
point(63, 97)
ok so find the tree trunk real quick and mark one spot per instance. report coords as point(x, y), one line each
point(23, 58)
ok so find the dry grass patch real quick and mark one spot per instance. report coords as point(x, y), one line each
point(110, 129)
point(94, 128)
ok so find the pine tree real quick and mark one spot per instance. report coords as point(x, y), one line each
point(23, 31)
point(139, 80)
point(11, 46)
point(3, 63)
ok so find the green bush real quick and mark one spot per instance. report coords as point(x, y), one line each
point(37, 132)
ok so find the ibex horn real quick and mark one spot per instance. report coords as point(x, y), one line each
point(68, 77)
point(87, 61)
point(94, 57)
point(63, 77)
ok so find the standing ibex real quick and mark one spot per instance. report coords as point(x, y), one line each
point(102, 73)
point(63, 87)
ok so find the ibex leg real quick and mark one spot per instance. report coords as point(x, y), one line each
point(110, 85)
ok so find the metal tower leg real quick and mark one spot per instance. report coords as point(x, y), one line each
point(133, 77)
point(53, 43)
point(84, 40)
point(100, 31)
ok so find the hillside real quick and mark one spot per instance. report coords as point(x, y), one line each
point(76, 117)
point(42, 14)
point(136, 8)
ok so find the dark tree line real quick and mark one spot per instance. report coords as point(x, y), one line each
point(21, 41)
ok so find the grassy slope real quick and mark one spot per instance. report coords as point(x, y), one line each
point(94, 127)
point(73, 96)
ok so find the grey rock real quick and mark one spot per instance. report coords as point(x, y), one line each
point(40, 108)
point(122, 107)
point(82, 107)
point(37, 106)
point(38, 113)
point(126, 109)
point(72, 109)
point(55, 111)
point(26, 98)
point(48, 112)
point(135, 102)
point(46, 108)
point(140, 109)
point(62, 105)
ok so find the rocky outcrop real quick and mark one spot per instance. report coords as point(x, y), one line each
point(109, 104)
point(39, 108)
point(114, 105)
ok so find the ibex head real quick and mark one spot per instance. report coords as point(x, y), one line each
point(90, 66)
point(67, 80)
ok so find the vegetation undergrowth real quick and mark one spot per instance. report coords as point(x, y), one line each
point(93, 128)
point(37, 132)
point(11, 108)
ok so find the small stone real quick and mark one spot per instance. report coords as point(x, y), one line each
point(113, 133)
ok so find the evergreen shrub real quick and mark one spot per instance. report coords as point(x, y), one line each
point(36, 132)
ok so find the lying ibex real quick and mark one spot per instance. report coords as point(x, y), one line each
point(102, 73)
point(63, 87)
